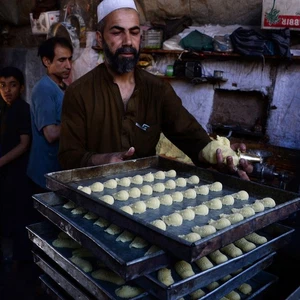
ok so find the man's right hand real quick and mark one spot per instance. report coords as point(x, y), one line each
point(101, 159)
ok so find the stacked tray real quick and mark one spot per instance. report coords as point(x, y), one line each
point(76, 282)
point(66, 183)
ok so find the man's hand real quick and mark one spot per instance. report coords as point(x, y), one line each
point(101, 159)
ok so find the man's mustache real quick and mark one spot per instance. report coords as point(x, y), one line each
point(126, 50)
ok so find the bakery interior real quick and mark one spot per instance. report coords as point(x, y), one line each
point(245, 98)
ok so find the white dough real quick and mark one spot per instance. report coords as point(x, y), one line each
point(69, 205)
point(220, 223)
point(137, 179)
point(158, 187)
point(86, 189)
point(121, 195)
point(256, 238)
point(159, 175)
point(204, 230)
point(218, 257)
point(241, 195)
point(110, 184)
point(79, 210)
point(190, 237)
point(79, 187)
point(153, 203)
point(177, 196)
point(189, 194)
point(204, 263)
point(90, 216)
point(216, 186)
point(171, 173)
point(184, 269)
point(138, 242)
point(202, 190)
point(232, 250)
point(268, 202)
point(159, 224)
point(125, 236)
point(125, 181)
point(244, 245)
point(233, 218)
point(164, 276)
point(152, 250)
point(233, 295)
point(201, 209)
point(127, 209)
point(113, 229)
point(246, 211)
point(166, 200)
point(214, 203)
point(149, 177)
point(227, 200)
point(138, 207)
point(187, 214)
point(108, 275)
point(128, 291)
point(245, 288)
point(134, 192)
point(212, 286)
point(174, 219)
point(83, 264)
point(107, 199)
point(101, 222)
point(180, 181)
point(194, 179)
point(97, 187)
point(257, 206)
point(146, 190)
point(170, 184)
point(197, 294)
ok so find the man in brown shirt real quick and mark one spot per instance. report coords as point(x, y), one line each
point(117, 110)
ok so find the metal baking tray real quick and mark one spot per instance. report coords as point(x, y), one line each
point(42, 234)
point(277, 235)
point(65, 183)
point(127, 262)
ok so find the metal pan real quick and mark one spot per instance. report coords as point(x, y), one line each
point(65, 183)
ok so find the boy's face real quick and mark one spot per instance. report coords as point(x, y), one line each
point(10, 89)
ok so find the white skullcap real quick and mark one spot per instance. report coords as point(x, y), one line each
point(108, 6)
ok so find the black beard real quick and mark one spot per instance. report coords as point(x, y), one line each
point(121, 64)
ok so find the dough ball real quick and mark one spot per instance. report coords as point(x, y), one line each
point(190, 194)
point(220, 223)
point(181, 182)
point(171, 173)
point(79, 210)
point(197, 294)
point(138, 243)
point(202, 190)
point(86, 189)
point(153, 203)
point(194, 179)
point(204, 230)
point(204, 263)
point(110, 184)
point(124, 181)
point(134, 192)
point(233, 218)
point(108, 275)
point(227, 200)
point(107, 199)
point(158, 187)
point(121, 195)
point(184, 269)
point(79, 187)
point(146, 190)
point(128, 291)
point(244, 245)
point(101, 222)
point(177, 197)
point(201, 210)
point(164, 276)
point(125, 236)
point(233, 295)
point(218, 257)
point(113, 229)
point(127, 209)
point(212, 286)
point(82, 252)
point(246, 211)
point(174, 219)
point(187, 214)
point(256, 238)
point(232, 250)
point(69, 205)
point(149, 177)
point(90, 216)
point(268, 202)
point(216, 186)
point(166, 200)
point(209, 151)
point(83, 264)
point(159, 175)
point(214, 203)
point(258, 206)
point(241, 195)
point(66, 243)
point(137, 179)
point(97, 187)
point(159, 224)
point(245, 288)
point(138, 207)
point(170, 184)
point(190, 237)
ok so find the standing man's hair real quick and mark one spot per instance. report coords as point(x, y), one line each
point(13, 72)
point(46, 49)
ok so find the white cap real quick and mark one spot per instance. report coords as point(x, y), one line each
point(108, 6)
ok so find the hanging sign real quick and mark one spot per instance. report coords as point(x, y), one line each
point(278, 14)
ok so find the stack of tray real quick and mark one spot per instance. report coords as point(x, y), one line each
point(135, 265)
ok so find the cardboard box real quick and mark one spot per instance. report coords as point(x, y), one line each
point(44, 22)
